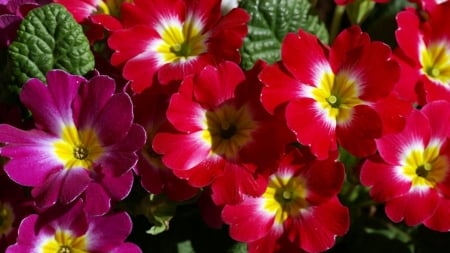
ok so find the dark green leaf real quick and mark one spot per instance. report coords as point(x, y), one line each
point(49, 38)
point(271, 21)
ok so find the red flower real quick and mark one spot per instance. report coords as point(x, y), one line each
point(332, 94)
point(168, 40)
point(424, 48)
point(150, 111)
point(298, 211)
point(223, 136)
point(412, 173)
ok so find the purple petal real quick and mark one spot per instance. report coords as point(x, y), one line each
point(108, 232)
point(31, 155)
point(51, 106)
point(97, 200)
point(8, 29)
point(121, 157)
point(75, 182)
point(115, 119)
point(118, 187)
point(68, 217)
point(127, 247)
point(92, 98)
point(47, 193)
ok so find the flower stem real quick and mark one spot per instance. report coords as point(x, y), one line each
point(336, 22)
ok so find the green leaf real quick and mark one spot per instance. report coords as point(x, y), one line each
point(271, 21)
point(49, 38)
point(158, 210)
point(238, 248)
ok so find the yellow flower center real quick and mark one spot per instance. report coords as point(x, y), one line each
point(6, 218)
point(180, 42)
point(337, 95)
point(110, 7)
point(435, 60)
point(425, 167)
point(78, 148)
point(285, 196)
point(65, 242)
point(228, 129)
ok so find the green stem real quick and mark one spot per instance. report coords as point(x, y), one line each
point(336, 22)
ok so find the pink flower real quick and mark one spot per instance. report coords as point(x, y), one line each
point(298, 211)
point(167, 40)
point(83, 145)
point(412, 174)
point(69, 229)
point(332, 93)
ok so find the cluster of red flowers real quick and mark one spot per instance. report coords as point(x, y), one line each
point(264, 144)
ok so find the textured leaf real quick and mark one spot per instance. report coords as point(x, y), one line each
point(271, 21)
point(49, 38)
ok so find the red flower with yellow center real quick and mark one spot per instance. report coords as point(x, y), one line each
point(223, 136)
point(412, 174)
point(167, 40)
point(299, 209)
point(332, 95)
point(424, 54)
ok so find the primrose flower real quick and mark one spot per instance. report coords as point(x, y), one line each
point(69, 229)
point(83, 145)
point(424, 54)
point(150, 109)
point(299, 209)
point(412, 173)
point(167, 40)
point(332, 94)
point(222, 137)
point(82, 9)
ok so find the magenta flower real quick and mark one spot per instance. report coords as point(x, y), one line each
point(11, 14)
point(84, 143)
point(69, 229)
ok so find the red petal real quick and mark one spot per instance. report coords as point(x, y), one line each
point(415, 207)
point(213, 86)
point(358, 136)
point(320, 225)
point(384, 180)
point(248, 221)
point(181, 151)
point(440, 220)
point(185, 114)
point(417, 130)
point(280, 86)
point(302, 55)
point(306, 121)
point(408, 34)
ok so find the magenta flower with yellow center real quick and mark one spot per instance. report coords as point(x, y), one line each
point(68, 229)
point(83, 145)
